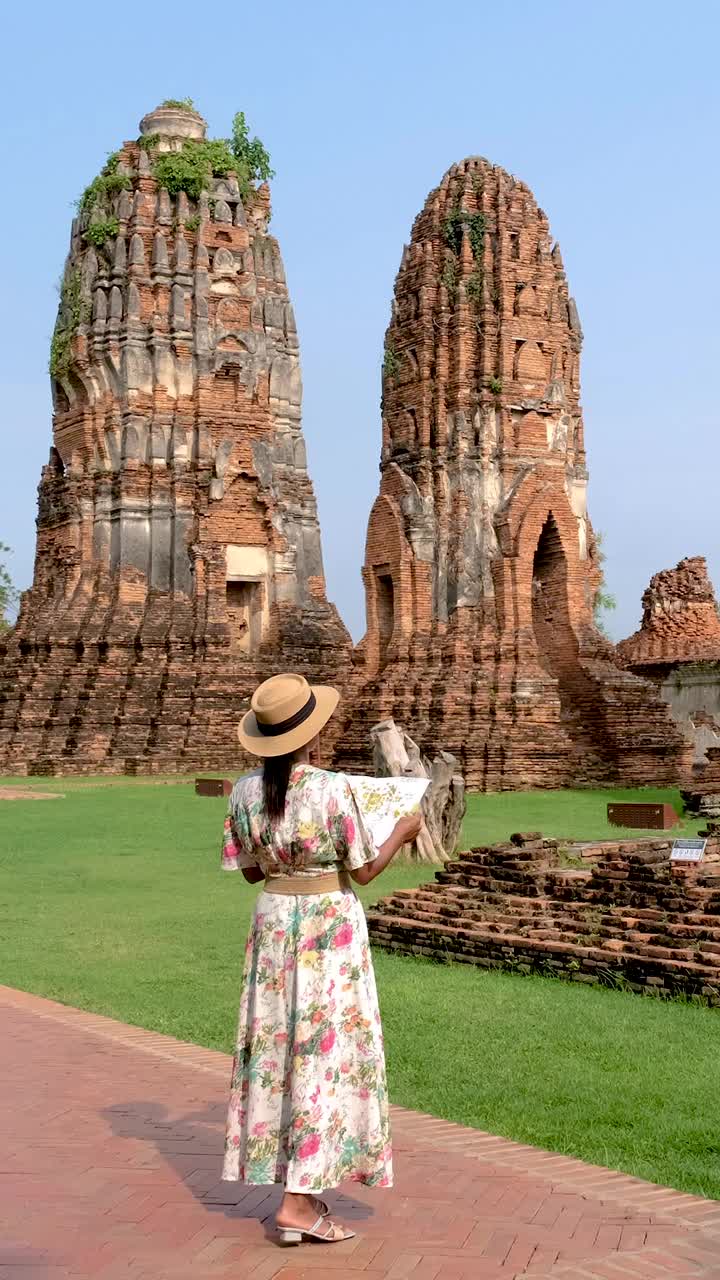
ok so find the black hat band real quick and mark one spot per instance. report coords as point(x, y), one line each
point(274, 730)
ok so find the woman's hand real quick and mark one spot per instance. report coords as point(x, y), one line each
point(403, 832)
point(407, 828)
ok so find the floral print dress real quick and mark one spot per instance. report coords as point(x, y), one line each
point(308, 1100)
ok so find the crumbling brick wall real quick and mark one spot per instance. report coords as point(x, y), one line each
point(630, 921)
point(677, 647)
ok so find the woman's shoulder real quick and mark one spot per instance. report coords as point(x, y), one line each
point(310, 775)
point(246, 786)
point(315, 785)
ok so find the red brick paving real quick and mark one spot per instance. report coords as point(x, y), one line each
point(110, 1148)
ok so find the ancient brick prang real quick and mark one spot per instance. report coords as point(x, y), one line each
point(481, 567)
point(629, 921)
point(678, 648)
point(178, 549)
point(680, 621)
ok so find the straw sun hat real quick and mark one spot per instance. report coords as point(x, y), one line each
point(286, 713)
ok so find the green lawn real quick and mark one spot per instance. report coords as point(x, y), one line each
point(112, 899)
point(569, 815)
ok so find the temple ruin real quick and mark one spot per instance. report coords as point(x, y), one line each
point(628, 919)
point(678, 648)
point(178, 548)
point(481, 566)
point(178, 552)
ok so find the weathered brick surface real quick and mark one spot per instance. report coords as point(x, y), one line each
point(481, 565)
point(678, 648)
point(680, 621)
point(111, 1142)
point(631, 918)
point(178, 550)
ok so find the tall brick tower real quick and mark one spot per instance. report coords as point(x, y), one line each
point(481, 565)
point(178, 548)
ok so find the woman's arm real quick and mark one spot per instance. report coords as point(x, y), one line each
point(253, 875)
point(403, 832)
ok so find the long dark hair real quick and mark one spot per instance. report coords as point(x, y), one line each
point(276, 779)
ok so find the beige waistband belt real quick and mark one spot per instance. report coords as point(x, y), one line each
point(297, 886)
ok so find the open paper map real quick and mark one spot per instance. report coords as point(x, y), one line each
point(382, 801)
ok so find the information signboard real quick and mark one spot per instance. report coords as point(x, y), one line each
point(688, 851)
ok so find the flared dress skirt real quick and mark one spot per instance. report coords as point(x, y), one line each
point(308, 1101)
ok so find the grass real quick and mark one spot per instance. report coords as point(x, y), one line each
point(567, 815)
point(111, 899)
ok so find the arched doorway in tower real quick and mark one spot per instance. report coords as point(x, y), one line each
point(384, 609)
point(556, 642)
point(581, 709)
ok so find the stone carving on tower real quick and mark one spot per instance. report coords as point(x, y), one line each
point(481, 566)
point(178, 547)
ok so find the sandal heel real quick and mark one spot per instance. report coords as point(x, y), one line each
point(288, 1235)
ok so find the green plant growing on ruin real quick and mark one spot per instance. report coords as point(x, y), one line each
point(252, 158)
point(449, 278)
point(495, 385)
point(476, 224)
point(391, 362)
point(148, 141)
point(192, 168)
point(613, 978)
point(201, 159)
point(72, 312)
point(9, 594)
point(453, 231)
point(603, 602)
point(568, 861)
point(180, 104)
point(98, 232)
point(107, 184)
point(192, 224)
point(453, 227)
point(474, 287)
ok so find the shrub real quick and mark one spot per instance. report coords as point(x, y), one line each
point(98, 232)
point(71, 314)
point(391, 362)
point(107, 184)
point(181, 104)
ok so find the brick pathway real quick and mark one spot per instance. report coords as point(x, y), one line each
point(110, 1141)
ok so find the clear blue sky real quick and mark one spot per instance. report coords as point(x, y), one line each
point(610, 113)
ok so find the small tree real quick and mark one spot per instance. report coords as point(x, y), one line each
point(604, 602)
point(253, 161)
point(8, 592)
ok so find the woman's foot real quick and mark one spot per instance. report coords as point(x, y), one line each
point(308, 1214)
point(300, 1211)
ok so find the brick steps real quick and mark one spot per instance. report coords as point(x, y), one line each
point(627, 918)
point(683, 941)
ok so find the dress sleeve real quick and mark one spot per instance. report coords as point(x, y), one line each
point(353, 842)
point(237, 848)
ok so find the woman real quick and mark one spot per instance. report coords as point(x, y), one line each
point(308, 1102)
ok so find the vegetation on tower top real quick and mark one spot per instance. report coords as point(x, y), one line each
point(192, 168)
point(180, 104)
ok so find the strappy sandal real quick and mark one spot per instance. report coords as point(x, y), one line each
point(296, 1235)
